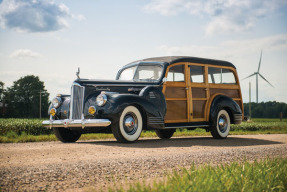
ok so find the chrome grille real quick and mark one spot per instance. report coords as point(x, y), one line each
point(77, 101)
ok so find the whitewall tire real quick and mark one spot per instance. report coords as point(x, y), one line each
point(222, 128)
point(129, 126)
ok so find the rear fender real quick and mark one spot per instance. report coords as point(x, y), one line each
point(223, 102)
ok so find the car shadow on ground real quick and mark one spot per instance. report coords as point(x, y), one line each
point(186, 142)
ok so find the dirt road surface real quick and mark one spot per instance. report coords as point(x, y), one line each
point(56, 166)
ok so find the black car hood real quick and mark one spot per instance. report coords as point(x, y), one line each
point(85, 82)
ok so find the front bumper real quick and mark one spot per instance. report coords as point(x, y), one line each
point(66, 123)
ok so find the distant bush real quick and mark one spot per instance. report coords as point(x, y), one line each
point(11, 135)
point(8, 127)
point(260, 125)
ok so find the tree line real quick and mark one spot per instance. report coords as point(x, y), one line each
point(270, 109)
point(22, 99)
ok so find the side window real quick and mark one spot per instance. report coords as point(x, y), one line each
point(228, 76)
point(220, 76)
point(176, 73)
point(148, 72)
point(196, 74)
point(214, 75)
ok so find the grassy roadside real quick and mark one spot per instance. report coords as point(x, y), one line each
point(266, 175)
point(26, 130)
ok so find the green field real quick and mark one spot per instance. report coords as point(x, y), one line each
point(266, 175)
point(31, 130)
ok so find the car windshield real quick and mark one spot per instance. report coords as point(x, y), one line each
point(142, 73)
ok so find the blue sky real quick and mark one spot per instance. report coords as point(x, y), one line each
point(52, 39)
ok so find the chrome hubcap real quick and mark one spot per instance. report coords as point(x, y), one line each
point(130, 123)
point(222, 123)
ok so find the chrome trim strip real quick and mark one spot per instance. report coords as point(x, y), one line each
point(71, 100)
point(66, 123)
point(237, 117)
point(155, 121)
point(124, 85)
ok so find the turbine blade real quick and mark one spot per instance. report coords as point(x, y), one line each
point(249, 76)
point(259, 62)
point(265, 80)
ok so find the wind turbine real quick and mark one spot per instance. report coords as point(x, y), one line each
point(257, 73)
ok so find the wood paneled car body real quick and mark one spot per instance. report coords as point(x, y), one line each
point(160, 94)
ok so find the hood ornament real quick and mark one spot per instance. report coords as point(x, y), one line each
point(78, 73)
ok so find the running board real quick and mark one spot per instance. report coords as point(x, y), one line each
point(185, 125)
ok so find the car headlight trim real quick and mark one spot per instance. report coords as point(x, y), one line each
point(101, 100)
point(56, 102)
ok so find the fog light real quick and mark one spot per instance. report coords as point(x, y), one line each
point(53, 112)
point(92, 110)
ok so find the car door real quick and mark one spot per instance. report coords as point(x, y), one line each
point(199, 92)
point(176, 93)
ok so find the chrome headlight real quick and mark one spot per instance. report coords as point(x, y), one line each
point(101, 100)
point(56, 102)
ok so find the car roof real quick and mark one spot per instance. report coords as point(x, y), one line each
point(175, 59)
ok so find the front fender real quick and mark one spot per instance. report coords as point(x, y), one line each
point(118, 102)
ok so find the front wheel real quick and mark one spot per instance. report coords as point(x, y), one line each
point(222, 128)
point(66, 135)
point(129, 126)
point(165, 134)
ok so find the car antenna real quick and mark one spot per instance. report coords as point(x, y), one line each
point(78, 73)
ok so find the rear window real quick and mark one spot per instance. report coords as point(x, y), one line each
point(220, 76)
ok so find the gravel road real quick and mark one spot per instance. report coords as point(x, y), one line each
point(56, 166)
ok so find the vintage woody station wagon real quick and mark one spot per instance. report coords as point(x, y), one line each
point(160, 94)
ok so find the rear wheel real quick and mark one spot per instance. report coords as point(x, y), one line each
point(222, 128)
point(165, 134)
point(66, 135)
point(129, 126)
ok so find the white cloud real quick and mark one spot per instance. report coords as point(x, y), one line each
point(34, 15)
point(167, 7)
point(225, 15)
point(78, 17)
point(24, 53)
point(229, 49)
